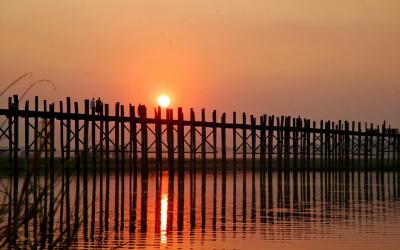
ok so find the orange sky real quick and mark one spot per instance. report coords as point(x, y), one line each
point(321, 59)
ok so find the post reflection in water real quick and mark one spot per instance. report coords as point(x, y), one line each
point(297, 208)
point(286, 206)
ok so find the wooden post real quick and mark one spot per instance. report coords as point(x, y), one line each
point(383, 138)
point(370, 146)
point(94, 173)
point(253, 142)
point(321, 146)
point(181, 143)
point(192, 155)
point(353, 146)
point(101, 164)
point(347, 145)
point(314, 160)
point(244, 143)
point(134, 142)
point(303, 146)
point(359, 146)
point(107, 140)
point(279, 142)
point(282, 141)
point(132, 165)
point(35, 165)
point(52, 176)
point(214, 117)
point(223, 143)
point(143, 121)
point(214, 126)
point(122, 167)
point(398, 154)
point(116, 166)
point(192, 146)
point(181, 168)
point(301, 143)
point(67, 168)
point(366, 147)
point(314, 142)
point(308, 142)
point(15, 164)
point(192, 142)
point(85, 168)
point(270, 142)
point(11, 171)
point(45, 124)
point(223, 156)
point(234, 145)
point(333, 146)
point(158, 139)
point(27, 170)
point(77, 166)
point(296, 143)
point(339, 142)
point(263, 145)
point(286, 141)
point(203, 168)
point(378, 148)
point(263, 120)
point(393, 135)
point(170, 142)
point(328, 144)
point(61, 213)
point(145, 168)
point(63, 168)
point(396, 149)
point(340, 145)
point(388, 146)
point(244, 152)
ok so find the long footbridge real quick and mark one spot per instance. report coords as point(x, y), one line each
point(133, 139)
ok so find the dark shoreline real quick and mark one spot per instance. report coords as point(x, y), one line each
point(209, 165)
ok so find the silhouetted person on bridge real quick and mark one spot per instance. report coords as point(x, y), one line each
point(99, 106)
point(92, 104)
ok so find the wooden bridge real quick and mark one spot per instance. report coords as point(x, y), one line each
point(131, 138)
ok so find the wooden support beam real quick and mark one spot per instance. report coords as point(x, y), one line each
point(181, 143)
point(170, 142)
point(117, 165)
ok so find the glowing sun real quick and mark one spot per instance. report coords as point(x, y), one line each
point(163, 101)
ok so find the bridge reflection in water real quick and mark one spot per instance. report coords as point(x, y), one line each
point(251, 210)
point(233, 209)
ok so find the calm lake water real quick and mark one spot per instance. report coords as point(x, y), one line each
point(249, 210)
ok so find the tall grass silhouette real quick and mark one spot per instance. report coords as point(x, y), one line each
point(24, 218)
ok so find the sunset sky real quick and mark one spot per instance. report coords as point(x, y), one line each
point(321, 59)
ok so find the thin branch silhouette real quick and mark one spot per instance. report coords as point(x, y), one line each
point(27, 90)
point(15, 82)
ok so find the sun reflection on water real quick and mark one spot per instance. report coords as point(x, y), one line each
point(164, 213)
